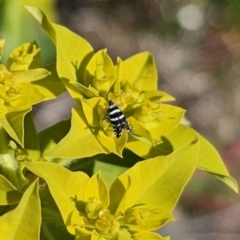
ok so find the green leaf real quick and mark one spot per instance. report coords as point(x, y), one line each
point(66, 187)
point(144, 77)
point(169, 117)
point(210, 161)
point(31, 141)
point(109, 171)
point(100, 72)
point(139, 129)
point(77, 90)
point(49, 137)
point(52, 226)
point(24, 56)
point(90, 110)
point(22, 96)
point(8, 165)
point(29, 96)
point(97, 188)
point(147, 217)
point(165, 120)
point(73, 54)
point(8, 193)
point(30, 75)
point(50, 86)
point(157, 181)
point(12, 122)
point(145, 149)
point(80, 142)
point(157, 96)
point(111, 144)
point(24, 221)
point(181, 136)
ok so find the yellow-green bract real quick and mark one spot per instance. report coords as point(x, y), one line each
point(139, 201)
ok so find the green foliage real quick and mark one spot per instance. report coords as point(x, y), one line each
point(13, 223)
point(114, 188)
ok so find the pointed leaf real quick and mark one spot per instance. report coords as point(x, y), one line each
point(24, 221)
point(50, 86)
point(97, 188)
point(144, 77)
point(120, 75)
point(164, 119)
point(146, 149)
point(12, 122)
point(111, 144)
point(167, 120)
point(210, 161)
point(90, 110)
point(71, 54)
point(157, 96)
point(181, 136)
point(157, 181)
point(24, 56)
point(30, 75)
point(108, 172)
point(66, 187)
point(152, 217)
point(49, 137)
point(79, 142)
point(9, 166)
point(89, 91)
point(31, 141)
point(8, 193)
point(100, 72)
point(29, 96)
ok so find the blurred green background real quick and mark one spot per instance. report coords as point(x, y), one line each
point(196, 45)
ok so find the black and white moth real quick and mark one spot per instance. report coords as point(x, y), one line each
point(117, 119)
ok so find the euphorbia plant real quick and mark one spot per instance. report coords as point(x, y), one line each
point(125, 187)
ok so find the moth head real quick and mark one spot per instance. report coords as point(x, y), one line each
point(110, 102)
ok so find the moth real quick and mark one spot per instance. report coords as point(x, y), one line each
point(117, 119)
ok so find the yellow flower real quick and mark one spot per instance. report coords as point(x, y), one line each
point(128, 211)
point(92, 79)
point(17, 93)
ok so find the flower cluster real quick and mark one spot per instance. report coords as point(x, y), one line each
point(130, 84)
point(93, 211)
point(17, 94)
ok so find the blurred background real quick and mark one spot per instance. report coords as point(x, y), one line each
point(196, 45)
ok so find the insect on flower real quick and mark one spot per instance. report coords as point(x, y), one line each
point(117, 119)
